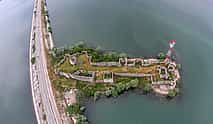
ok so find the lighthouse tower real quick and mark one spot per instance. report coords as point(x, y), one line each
point(171, 47)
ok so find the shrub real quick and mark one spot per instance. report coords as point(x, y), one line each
point(134, 83)
point(81, 119)
point(147, 87)
point(74, 109)
point(161, 55)
point(108, 75)
point(114, 92)
point(178, 66)
point(46, 13)
point(108, 92)
point(97, 95)
point(172, 93)
point(33, 48)
point(49, 29)
point(33, 60)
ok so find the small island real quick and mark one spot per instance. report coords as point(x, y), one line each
point(81, 71)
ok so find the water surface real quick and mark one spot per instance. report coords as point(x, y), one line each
point(16, 105)
point(142, 28)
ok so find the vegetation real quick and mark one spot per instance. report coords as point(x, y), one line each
point(96, 90)
point(58, 86)
point(74, 109)
point(33, 60)
point(48, 20)
point(46, 13)
point(172, 93)
point(81, 119)
point(96, 54)
point(85, 73)
point(99, 56)
point(77, 111)
point(161, 56)
point(83, 60)
point(171, 75)
point(108, 92)
point(93, 89)
point(49, 29)
point(108, 75)
point(178, 66)
point(145, 84)
point(117, 88)
point(34, 34)
point(33, 48)
point(147, 87)
point(97, 94)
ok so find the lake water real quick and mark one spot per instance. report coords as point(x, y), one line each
point(138, 27)
point(142, 28)
point(15, 93)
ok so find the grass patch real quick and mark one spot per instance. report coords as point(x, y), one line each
point(83, 64)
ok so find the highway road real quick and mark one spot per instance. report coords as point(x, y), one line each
point(45, 93)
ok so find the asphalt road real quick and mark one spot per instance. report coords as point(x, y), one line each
point(44, 84)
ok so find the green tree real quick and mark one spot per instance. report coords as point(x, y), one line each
point(33, 60)
point(108, 92)
point(114, 92)
point(127, 85)
point(33, 48)
point(97, 95)
point(49, 29)
point(74, 109)
point(122, 55)
point(147, 87)
point(134, 83)
point(172, 93)
point(161, 55)
point(120, 87)
point(178, 66)
point(81, 119)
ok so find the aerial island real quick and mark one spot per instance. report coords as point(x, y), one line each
point(82, 71)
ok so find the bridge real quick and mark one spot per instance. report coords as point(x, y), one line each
point(43, 98)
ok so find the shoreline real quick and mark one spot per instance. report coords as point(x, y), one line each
point(152, 96)
point(163, 73)
point(136, 91)
point(70, 59)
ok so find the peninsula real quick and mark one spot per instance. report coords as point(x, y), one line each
point(90, 66)
point(81, 71)
point(62, 77)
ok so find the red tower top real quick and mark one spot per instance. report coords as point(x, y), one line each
point(171, 46)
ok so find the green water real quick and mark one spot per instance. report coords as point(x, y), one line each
point(142, 28)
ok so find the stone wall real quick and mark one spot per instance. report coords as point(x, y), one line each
point(133, 74)
point(105, 63)
point(74, 76)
